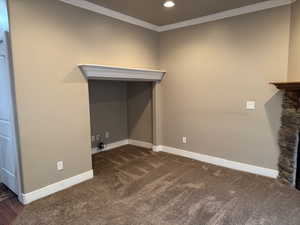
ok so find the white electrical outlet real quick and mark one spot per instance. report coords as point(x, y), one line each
point(60, 165)
point(184, 140)
point(107, 134)
point(250, 105)
point(98, 137)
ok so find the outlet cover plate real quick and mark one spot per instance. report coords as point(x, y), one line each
point(251, 105)
point(60, 165)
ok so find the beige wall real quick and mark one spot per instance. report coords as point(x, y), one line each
point(49, 38)
point(294, 57)
point(213, 69)
point(140, 111)
point(108, 110)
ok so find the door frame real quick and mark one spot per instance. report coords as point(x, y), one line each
point(156, 109)
point(14, 122)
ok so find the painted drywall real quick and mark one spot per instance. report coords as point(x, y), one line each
point(108, 110)
point(140, 111)
point(294, 66)
point(49, 38)
point(124, 109)
point(213, 69)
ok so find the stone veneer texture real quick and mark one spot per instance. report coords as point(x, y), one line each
point(288, 137)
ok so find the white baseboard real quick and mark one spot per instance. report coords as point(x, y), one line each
point(142, 144)
point(220, 162)
point(111, 146)
point(122, 143)
point(56, 187)
point(157, 148)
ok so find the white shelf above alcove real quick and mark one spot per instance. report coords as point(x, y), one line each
point(102, 72)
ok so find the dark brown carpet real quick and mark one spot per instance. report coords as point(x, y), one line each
point(134, 186)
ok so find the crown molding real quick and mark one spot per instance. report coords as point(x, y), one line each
point(110, 13)
point(200, 20)
point(227, 14)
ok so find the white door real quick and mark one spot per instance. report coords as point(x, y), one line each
point(8, 143)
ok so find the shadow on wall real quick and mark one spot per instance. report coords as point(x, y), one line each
point(124, 109)
point(273, 111)
point(140, 118)
point(108, 110)
point(75, 76)
point(105, 91)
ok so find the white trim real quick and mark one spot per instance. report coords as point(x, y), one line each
point(142, 144)
point(123, 143)
point(204, 19)
point(111, 146)
point(111, 13)
point(56, 187)
point(157, 148)
point(101, 72)
point(227, 14)
point(220, 162)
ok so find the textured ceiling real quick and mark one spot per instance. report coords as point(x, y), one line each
point(152, 11)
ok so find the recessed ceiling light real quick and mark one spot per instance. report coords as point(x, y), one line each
point(169, 4)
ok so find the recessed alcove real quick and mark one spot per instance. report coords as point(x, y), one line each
point(123, 106)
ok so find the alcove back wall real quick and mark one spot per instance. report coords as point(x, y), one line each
point(108, 110)
point(124, 109)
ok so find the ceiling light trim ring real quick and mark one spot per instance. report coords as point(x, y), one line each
point(169, 4)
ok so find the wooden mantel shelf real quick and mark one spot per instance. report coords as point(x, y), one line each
point(288, 86)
